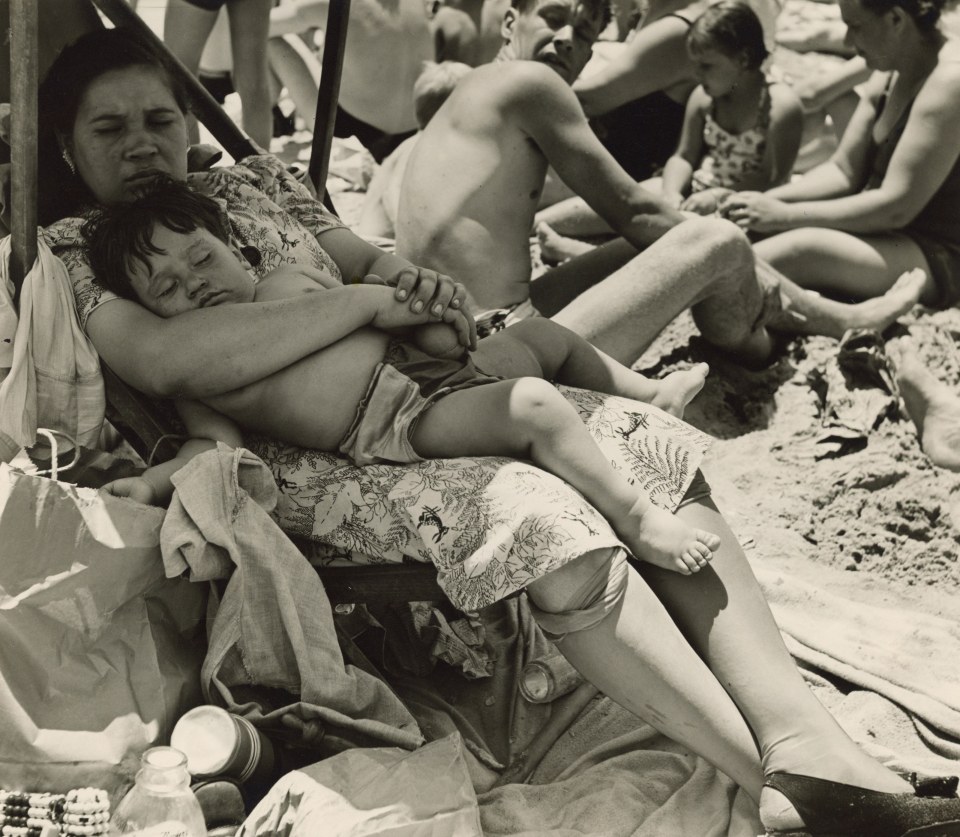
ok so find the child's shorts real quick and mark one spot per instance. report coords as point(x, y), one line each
point(402, 389)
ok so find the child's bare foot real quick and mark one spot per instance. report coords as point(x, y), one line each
point(556, 248)
point(665, 540)
point(679, 388)
point(883, 311)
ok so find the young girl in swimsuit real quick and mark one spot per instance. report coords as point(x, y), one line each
point(740, 131)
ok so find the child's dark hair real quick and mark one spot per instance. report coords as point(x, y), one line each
point(732, 28)
point(119, 236)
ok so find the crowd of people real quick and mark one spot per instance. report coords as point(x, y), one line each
point(282, 304)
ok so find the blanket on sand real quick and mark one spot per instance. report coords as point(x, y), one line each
point(887, 675)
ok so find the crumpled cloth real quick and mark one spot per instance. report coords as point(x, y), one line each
point(49, 370)
point(859, 391)
point(273, 648)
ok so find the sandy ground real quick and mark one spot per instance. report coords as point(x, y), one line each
point(870, 517)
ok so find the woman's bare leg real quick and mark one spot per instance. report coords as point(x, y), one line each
point(849, 267)
point(185, 31)
point(249, 28)
point(725, 618)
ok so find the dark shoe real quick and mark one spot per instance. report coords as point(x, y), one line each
point(831, 809)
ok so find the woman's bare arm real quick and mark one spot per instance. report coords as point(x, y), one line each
point(924, 156)
point(655, 59)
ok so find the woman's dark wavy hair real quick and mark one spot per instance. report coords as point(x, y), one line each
point(119, 236)
point(732, 28)
point(79, 64)
point(925, 13)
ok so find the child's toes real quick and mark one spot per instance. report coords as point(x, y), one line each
point(708, 539)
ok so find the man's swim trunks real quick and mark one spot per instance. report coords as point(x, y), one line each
point(403, 387)
point(379, 143)
point(497, 319)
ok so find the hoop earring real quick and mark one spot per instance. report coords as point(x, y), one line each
point(69, 161)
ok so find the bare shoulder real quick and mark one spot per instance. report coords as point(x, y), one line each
point(699, 101)
point(517, 84)
point(942, 88)
point(784, 102)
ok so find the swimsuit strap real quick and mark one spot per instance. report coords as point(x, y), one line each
point(763, 108)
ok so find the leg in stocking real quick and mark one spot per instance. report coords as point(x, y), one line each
point(638, 657)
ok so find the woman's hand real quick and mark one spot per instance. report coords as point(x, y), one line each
point(435, 294)
point(133, 488)
point(755, 211)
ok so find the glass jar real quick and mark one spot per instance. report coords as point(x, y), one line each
point(160, 804)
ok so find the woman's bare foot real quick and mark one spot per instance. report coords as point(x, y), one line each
point(666, 541)
point(934, 409)
point(556, 248)
point(678, 389)
point(882, 311)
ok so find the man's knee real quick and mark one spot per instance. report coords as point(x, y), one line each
point(723, 243)
point(581, 594)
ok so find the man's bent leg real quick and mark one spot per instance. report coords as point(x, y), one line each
point(702, 262)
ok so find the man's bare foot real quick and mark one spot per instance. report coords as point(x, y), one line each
point(934, 409)
point(679, 388)
point(556, 248)
point(666, 541)
point(882, 311)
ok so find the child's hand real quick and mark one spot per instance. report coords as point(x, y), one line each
point(706, 202)
point(134, 488)
point(672, 199)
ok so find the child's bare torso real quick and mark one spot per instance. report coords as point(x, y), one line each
point(312, 402)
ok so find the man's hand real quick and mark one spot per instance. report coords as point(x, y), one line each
point(433, 297)
point(755, 211)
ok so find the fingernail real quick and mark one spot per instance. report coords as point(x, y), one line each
point(418, 306)
point(455, 303)
point(437, 310)
point(401, 294)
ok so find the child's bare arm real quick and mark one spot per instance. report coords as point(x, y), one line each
point(678, 171)
point(783, 141)
point(154, 487)
point(206, 427)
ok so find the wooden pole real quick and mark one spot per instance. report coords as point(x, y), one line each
point(334, 47)
point(23, 139)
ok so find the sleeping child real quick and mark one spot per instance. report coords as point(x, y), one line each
point(376, 393)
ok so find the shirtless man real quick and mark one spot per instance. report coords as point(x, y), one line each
point(387, 43)
point(474, 180)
